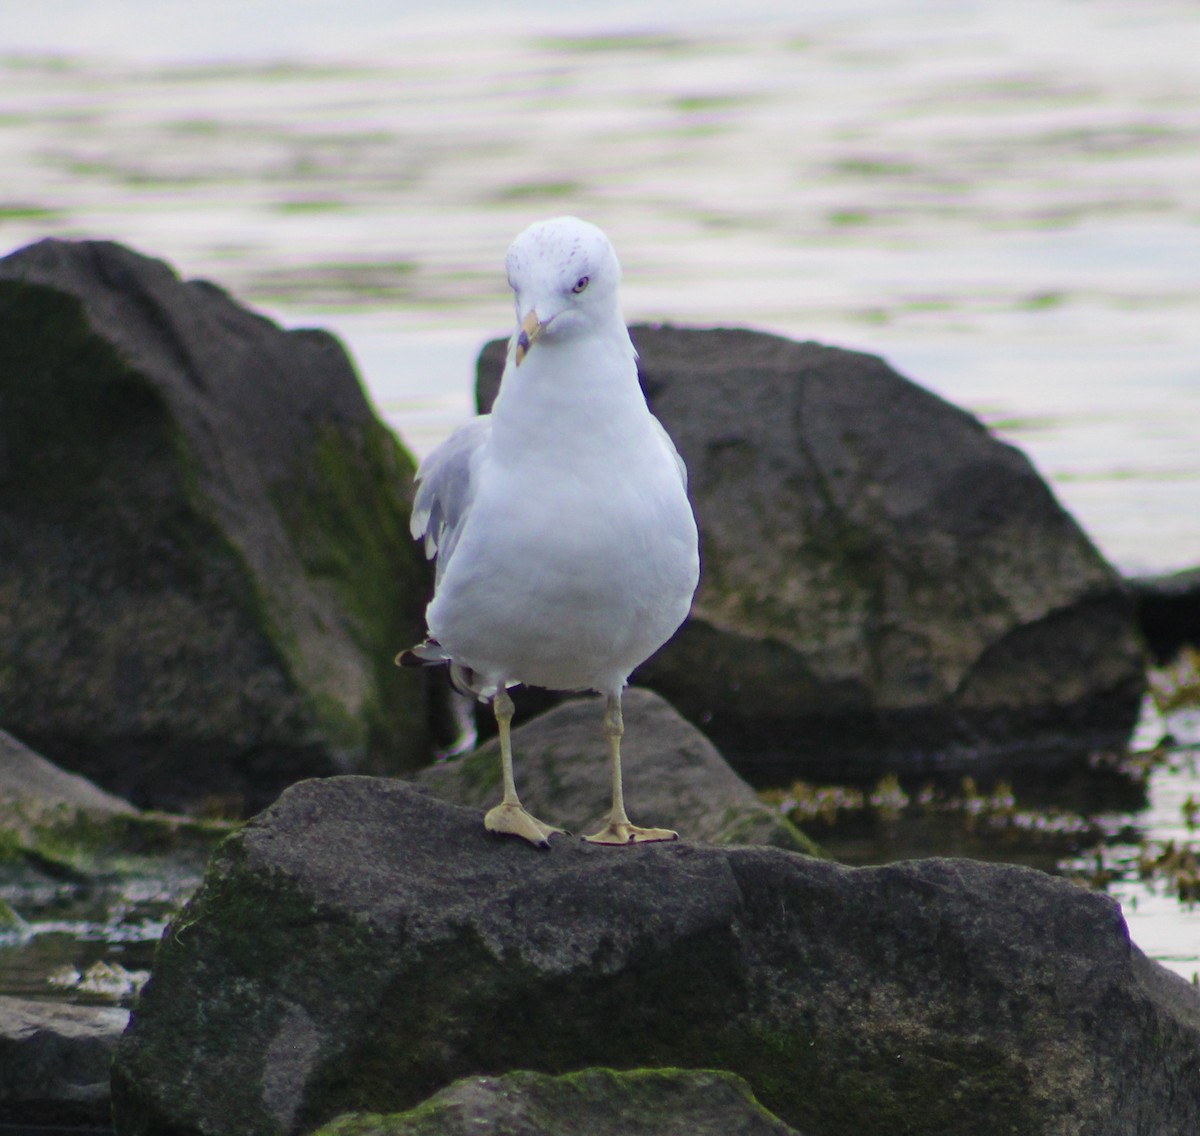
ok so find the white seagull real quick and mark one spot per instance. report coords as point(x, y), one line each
point(566, 547)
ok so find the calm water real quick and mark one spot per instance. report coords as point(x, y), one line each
point(1002, 198)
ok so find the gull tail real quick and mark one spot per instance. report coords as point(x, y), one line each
point(432, 654)
point(427, 654)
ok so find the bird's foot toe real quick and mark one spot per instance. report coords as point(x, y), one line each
point(618, 832)
point(515, 820)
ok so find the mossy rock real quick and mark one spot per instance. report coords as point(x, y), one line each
point(67, 844)
point(205, 531)
point(64, 827)
point(361, 945)
point(592, 1102)
point(674, 777)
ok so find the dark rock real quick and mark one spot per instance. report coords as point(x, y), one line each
point(1168, 609)
point(674, 777)
point(885, 585)
point(54, 1061)
point(592, 1102)
point(203, 533)
point(362, 944)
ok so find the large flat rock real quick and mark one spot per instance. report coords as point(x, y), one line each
point(361, 945)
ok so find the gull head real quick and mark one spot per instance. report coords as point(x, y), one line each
point(564, 276)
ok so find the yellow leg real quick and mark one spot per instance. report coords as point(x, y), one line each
point(618, 830)
point(510, 816)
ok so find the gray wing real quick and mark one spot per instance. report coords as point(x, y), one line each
point(445, 490)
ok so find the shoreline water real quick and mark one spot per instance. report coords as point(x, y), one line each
point(1009, 217)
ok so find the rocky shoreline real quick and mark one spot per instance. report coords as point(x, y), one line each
point(206, 574)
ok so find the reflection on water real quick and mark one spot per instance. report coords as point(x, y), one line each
point(1001, 198)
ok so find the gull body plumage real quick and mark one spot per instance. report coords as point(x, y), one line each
point(565, 544)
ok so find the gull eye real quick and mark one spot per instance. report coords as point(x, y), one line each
point(580, 284)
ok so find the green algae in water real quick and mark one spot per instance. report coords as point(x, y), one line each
point(84, 902)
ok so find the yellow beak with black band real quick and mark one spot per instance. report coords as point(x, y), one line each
point(531, 329)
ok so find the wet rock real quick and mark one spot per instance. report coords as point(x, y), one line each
point(34, 786)
point(592, 1102)
point(75, 856)
point(1168, 609)
point(674, 777)
point(54, 1061)
point(204, 533)
point(55, 826)
point(362, 945)
point(885, 585)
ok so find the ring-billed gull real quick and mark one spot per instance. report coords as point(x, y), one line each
point(566, 547)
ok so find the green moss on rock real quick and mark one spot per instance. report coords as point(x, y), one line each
point(353, 541)
point(207, 527)
point(591, 1102)
point(362, 945)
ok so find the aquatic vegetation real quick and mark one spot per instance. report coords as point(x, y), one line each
point(1101, 849)
point(992, 811)
point(84, 901)
point(107, 980)
point(1176, 686)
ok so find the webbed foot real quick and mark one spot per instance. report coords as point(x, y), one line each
point(516, 820)
point(622, 832)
